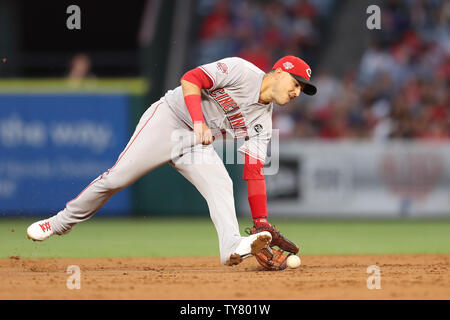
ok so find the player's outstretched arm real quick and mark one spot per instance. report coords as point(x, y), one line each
point(256, 188)
point(192, 83)
point(257, 198)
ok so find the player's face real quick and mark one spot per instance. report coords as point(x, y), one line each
point(286, 89)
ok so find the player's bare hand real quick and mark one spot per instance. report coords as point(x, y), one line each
point(203, 133)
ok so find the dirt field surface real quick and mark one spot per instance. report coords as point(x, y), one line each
point(204, 278)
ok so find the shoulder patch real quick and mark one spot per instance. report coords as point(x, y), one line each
point(222, 67)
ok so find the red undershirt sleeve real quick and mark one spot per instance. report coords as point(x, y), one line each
point(256, 187)
point(198, 77)
point(193, 102)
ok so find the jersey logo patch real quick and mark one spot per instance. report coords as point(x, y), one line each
point(222, 67)
point(258, 128)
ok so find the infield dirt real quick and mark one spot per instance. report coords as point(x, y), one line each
point(204, 278)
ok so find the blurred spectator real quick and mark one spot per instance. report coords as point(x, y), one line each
point(330, 88)
point(284, 122)
point(400, 90)
point(256, 54)
point(375, 60)
point(217, 23)
point(79, 69)
point(404, 72)
point(259, 31)
point(80, 66)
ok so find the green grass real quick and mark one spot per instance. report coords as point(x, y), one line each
point(151, 237)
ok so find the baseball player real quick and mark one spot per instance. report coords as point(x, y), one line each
point(232, 96)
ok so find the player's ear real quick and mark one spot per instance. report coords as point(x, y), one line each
point(277, 73)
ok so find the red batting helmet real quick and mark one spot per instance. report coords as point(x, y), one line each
point(299, 69)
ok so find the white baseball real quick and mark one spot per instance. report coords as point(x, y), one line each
point(293, 261)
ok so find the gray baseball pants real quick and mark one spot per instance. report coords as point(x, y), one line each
point(155, 142)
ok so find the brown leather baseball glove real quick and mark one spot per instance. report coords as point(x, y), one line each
point(271, 258)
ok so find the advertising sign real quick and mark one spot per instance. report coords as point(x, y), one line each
point(53, 145)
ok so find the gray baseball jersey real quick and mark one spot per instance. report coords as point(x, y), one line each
point(231, 104)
